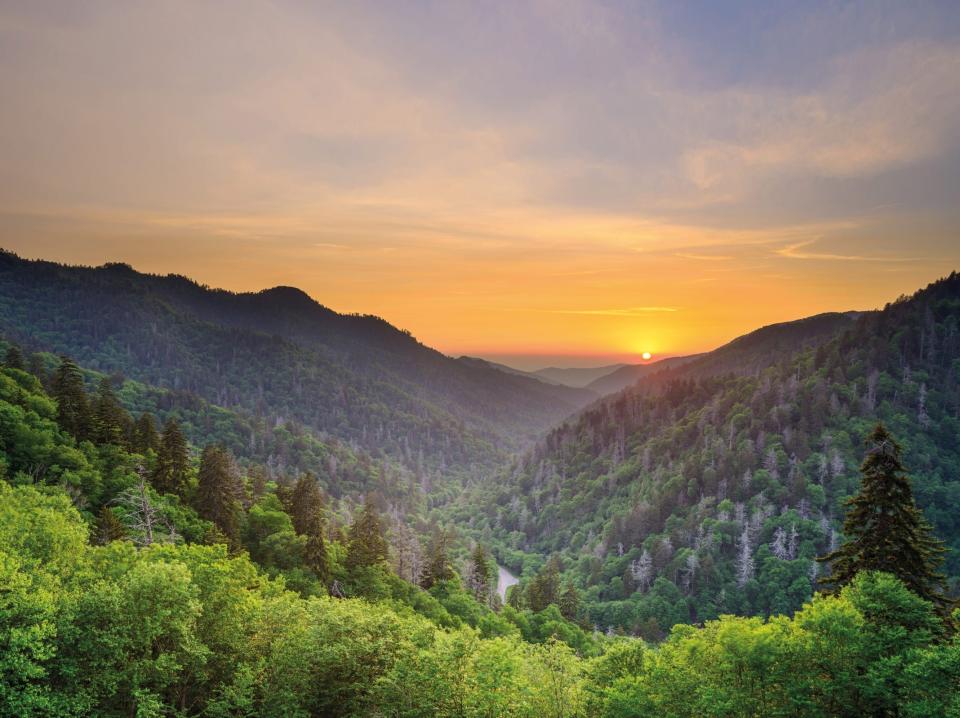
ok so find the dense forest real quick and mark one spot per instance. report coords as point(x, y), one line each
point(207, 540)
point(710, 488)
point(138, 581)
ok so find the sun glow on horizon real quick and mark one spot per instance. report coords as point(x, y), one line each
point(436, 185)
point(646, 356)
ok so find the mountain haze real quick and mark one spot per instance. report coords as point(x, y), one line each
point(631, 373)
point(577, 376)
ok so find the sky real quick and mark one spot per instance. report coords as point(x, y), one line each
point(534, 182)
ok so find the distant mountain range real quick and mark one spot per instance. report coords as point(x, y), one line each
point(670, 491)
point(600, 381)
point(576, 376)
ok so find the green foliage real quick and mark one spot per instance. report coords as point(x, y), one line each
point(711, 487)
point(438, 568)
point(886, 531)
point(698, 494)
point(180, 628)
point(73, 411)
point(217, 492)
point(170, 472)
point(367, 547)
point(294, 369)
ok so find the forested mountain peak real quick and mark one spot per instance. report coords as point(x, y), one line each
point(283, 357)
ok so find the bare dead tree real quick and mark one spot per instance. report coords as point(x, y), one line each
point(147, 525)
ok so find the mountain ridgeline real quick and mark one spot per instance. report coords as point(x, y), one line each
point(283, 359)
point(708, 485)
point(247, 504)
point(711, 487)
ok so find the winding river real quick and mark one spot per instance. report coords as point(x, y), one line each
point(505, 580)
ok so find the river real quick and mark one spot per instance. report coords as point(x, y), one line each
point(505, 580)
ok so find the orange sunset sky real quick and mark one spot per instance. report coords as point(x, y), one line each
point(540, 182)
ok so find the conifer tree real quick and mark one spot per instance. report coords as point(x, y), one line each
point(217, 492)
point(438, 566)
point(170, 474)
point(885, 530)
point(544, 589)
point(366, 545)
point(516, 597)
point(145, 435)
point(479, 579)
point(570, 602)
point(258, 482)
point(108, 527)
point(315, 554)
point(306, 504)
point(73, 412)
point(110, 421)
point(14, 358)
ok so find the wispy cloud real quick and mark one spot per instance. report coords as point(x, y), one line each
point(599, 158)
point(796, 251)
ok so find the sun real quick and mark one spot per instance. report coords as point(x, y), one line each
point(646, 355)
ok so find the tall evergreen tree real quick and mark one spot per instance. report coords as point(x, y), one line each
point(315, 554)
point(366, 545)
point(258, 482)
point(438, 566)
point(306, 513)
point(217, 491)
point(516, 597)
point(14, 358)
point(570, 602)
point(73, 411)
point(145, 435)
point(544, 589)
point(884, 529)
point(110, 421)
point(306, 504)
point(479, 578)
point(170, 474)
point(108, 527)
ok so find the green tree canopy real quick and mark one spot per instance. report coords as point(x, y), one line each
point(885, 530)
point(73, 411)
point(170, 474)
point(217, 491)
point(366, 543)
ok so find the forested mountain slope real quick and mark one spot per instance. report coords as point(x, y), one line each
point(285, 449)
point(225, 593)
point(748, 354)
point(710, 488)
point(280, 356)
point(477, 361)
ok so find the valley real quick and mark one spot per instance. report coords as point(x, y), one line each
point(544, 359)
point(337, 460)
